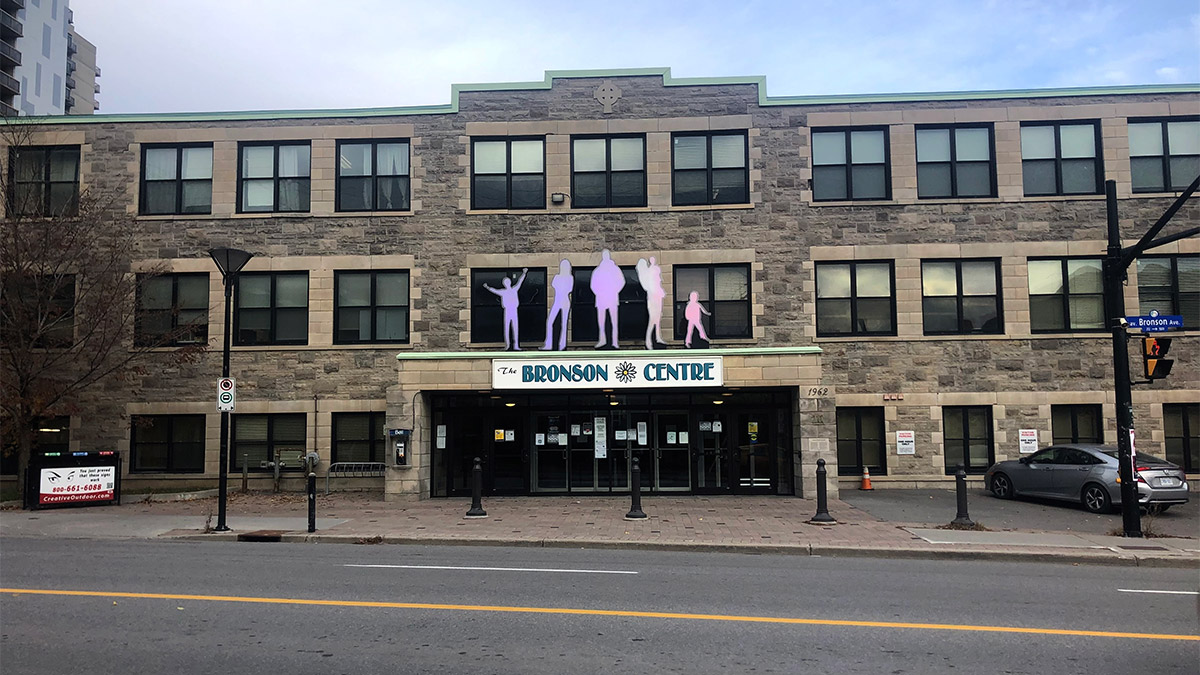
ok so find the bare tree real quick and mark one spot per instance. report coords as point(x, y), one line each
point(68, 293)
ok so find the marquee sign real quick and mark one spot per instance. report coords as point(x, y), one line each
point(608, 373)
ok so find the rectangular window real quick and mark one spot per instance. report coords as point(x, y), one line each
point(955, 161)
point(271, 309)
point(258, 438)
point(1164, 155)
point(44, 180)
point(488, 311)
point(1076, 424)
point(1066, 294)
point(1170, 284)
point(508, 173)
point(371, 307)
point(632, 316)
point(860, 441)
point(358, 437)
point(1061, 158)
point(850, 164)
point(373, 176)
point(856, 298)
point(53, 434)
point(608, 171)
point(724, 290)
point(710, 168)
point(967, 438)
point(176, 179)
point(38, 310)
point(172, 310)
point(167, 443)
point(961, 297)
point(274, 177)
point(1181, 430)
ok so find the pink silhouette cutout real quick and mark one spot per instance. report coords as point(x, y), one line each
point(650, 276)
point(692, 313)
point(510, 302)
point(607, 282)
point(563, 284)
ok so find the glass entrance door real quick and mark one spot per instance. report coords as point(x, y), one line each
point(754, 456)
point(550, 450)
point(712, 453)
point(672, 451)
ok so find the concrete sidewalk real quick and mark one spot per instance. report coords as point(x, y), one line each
point(735, 524)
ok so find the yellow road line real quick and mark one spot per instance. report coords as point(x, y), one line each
point(606, 612)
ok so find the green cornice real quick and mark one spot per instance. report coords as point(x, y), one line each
point(668, 81)
point(608, 353)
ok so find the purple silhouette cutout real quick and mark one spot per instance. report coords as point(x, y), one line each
point(650, 276)
point(510, 302)
point(563, 284)
point(607, 282)
point(692, 313)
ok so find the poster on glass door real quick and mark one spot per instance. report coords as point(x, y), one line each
point(601, 438)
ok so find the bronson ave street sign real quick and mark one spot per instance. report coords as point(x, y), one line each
point(1155, 323)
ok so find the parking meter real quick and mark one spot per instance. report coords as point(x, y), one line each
point(401, 439)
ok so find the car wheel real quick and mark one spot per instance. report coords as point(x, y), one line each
point(1095, 498)
point(1155, 509)
point(1002, 486)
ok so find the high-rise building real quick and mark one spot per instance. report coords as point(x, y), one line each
point(81, 75)
point(43, 62)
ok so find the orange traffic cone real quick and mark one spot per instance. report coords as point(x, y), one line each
point(866, 480)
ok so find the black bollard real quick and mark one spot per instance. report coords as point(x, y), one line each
point(312, 502)
point(822, 516)
point(635, 493)
point(960, 486)
point(477, 492)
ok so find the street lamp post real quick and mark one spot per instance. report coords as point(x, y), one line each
point(230, 261)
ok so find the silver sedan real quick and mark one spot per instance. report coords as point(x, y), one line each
point(1087, 474)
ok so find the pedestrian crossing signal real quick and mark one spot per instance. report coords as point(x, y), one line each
point(1153, 351)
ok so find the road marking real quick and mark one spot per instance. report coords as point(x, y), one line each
point(1139, 590)
point(495, 569)
point(605, 612)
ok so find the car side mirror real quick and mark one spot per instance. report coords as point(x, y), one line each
point(1024, 460)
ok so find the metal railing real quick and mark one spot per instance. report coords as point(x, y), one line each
point(11, 53)
point(11, 23)
point(354, 470)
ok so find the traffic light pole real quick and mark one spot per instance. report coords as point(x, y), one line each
point(1114, 293)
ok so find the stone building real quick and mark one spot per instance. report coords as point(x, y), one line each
point(862, 266)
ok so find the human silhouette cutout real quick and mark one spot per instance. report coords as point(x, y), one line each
point(607, 282)
point(650, 276)
point(692, 313)
point(563, 284)
point(510, 302)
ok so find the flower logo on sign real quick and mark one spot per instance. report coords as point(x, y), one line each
point(626, 372)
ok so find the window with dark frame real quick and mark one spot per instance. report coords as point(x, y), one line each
point(167, 443)
point(274, 177)
point(961, 297)
point(1181, 433)
point(967, 438)
point(1170, 284)
point(1066, 295)
point(358, 437)
point(44, 181)
point(44, 325)
point(508, 173)
point(856, 298)
point(955, 161)
point(710, 167)
point(258, 437)
point(1061, 158)
point(176, 179)
point(52, 434)
point(172, 310)
point(271, 308)
point(632, 314)
point(487, 316)
point(1079, 423)
point(373, 176)
point(724, 290)
point(372, 307)
point(861, 441)
point(1164, 155)
point(851, 164)
point(608, 171)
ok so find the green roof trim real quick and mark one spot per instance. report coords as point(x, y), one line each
point(668, 81)
point(607, 353)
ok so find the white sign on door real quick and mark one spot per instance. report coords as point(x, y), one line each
point(601, 436)
point(906, 443)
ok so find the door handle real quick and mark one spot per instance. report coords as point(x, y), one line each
point(1085, 468)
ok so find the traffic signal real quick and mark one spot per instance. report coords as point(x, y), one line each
point(1153, 351)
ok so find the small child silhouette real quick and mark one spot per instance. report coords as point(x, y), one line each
point(692, 313)
point(510, 302)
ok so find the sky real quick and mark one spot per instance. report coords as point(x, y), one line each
point(193, 55)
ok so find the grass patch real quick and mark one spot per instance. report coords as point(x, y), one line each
point(976, 527)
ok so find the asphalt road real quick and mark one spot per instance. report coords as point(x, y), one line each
point(940, 506)
point(304, 608)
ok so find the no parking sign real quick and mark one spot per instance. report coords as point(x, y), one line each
point(226, 394)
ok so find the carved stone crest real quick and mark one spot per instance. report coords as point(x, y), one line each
point(608, 94)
